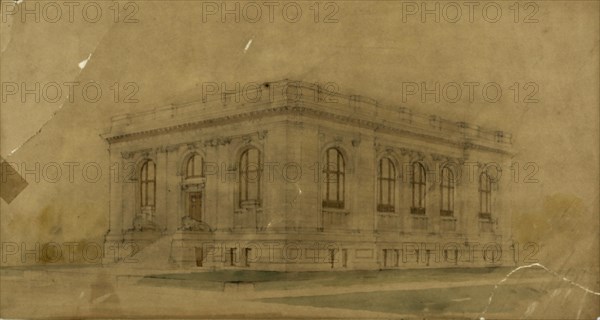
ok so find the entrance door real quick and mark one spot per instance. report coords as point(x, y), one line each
point(195, 205)
point(385, 258)
point(199, 257)
point(332, 257)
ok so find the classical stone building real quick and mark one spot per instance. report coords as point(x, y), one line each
point(290, 176)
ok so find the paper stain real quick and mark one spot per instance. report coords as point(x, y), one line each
point(531, 308)
point(248, 45)
point(581, 305)
point(81, 65)
point(84, 62)
point(22, 144)
point(461, 299)
point(291, 203)
point(539, 265)
point(6, 30)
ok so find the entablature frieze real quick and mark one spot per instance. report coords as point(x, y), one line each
point(194, 145)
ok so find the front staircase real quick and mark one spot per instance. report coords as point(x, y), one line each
point(146, 253)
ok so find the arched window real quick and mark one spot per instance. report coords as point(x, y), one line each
point(148, 184)
point(418, 188)
point(386, 185)
point(334, 171)
point(250, 172)
point(194, 167)
point(447, 192)
point(485, 196)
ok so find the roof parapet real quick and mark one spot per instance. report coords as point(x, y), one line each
point(294, 93)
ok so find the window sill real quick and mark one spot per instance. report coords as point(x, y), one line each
point(449, 219)
point(249, 204)
point(339, 205)
point(147, 209)
point(194, 180)
point(417, 211)
point(335, 210)
point(385, 208)
point(485, 216)
point(446, 214)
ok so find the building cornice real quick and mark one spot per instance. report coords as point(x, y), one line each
point(359, 111)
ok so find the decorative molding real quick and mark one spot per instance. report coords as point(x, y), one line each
point(146, 153)
point(309, 112)
point(443, 158)
point(246, 139)
point(377, 146)
point(160, 149)
point(127, 155)
point(173, 147)
point(437, 157)
point(219, 141)
point(191, 146)
point(189, 224)
point(142, 152)
point(262, 134)
point(413, 155)
point(435, 122)
point(192, 186)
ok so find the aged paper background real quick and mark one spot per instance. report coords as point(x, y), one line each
point(167, 52)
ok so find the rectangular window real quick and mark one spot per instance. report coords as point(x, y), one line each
point(195, 205)
point(447, 193)
point(249, 177)
point(147, 184)
point(418, 182)
point(247, 252)
point(332, 257)
point(199, 256)
point(232, 256)
point(485, 196)
point(334, 173)
point(386, 177)
point(385, 258)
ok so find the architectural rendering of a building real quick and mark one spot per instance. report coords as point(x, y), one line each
point(292, 176)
